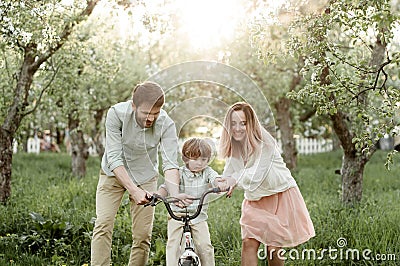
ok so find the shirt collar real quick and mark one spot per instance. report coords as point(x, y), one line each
point(190, 174)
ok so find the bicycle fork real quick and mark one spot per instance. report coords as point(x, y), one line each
point(188, 257)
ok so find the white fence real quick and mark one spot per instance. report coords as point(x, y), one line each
point(310, 146)
point(33, 145)
point(303, 146)
point(15, 146)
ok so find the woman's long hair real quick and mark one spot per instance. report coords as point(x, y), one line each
point(253, 130)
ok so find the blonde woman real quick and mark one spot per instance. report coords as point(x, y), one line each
point(273, 210)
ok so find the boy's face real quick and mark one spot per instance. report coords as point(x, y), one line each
point(197, 165)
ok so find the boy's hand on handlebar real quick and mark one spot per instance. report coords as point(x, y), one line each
point(184, 200)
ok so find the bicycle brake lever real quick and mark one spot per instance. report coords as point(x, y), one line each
point(148, 204)
point(152, 201)
point(218, 190)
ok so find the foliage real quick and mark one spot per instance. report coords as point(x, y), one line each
point(51, 213)
point(33, 27)
point(276, 74)
point(361, 83)
point(21, 24)
point(82, 76)
point(49, 216)
point(350, 67)
point(89, 76)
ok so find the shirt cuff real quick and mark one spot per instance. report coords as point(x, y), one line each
point(163, 186)
point(169, 166)
point(115, 164)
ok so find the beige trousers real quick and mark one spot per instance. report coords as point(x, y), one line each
point(108, 199)
point(201, 239)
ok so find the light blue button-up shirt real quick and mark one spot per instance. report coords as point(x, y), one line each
point(137, 148)
point(195, 184)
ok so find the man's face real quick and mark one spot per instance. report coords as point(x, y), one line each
point(146, 114)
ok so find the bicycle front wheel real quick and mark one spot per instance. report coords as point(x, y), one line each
point(187, 263)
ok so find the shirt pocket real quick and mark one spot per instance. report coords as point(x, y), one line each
point(139, 151)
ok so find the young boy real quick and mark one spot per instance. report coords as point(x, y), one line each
point(196, 177)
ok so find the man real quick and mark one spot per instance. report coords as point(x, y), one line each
point(136, 131)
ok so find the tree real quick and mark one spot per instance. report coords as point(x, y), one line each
point(265, 75)
point(241, 52)
point(349, 65)
point(32, 32)
point(92, 77)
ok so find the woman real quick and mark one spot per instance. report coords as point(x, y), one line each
point(273, 210)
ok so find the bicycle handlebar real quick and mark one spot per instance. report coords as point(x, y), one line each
point(154, 201)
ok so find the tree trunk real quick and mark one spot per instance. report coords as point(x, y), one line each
point(284, 121)
point(6, 154)
point(79, 153)
point(79, 148)
point(17, 109)
point(97, 133)
point(12, 121)
point(353, 165)
point(352, 178)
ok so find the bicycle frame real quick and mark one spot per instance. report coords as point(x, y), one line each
point(189, 256)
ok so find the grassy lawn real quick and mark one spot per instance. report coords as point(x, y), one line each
point(49, 218)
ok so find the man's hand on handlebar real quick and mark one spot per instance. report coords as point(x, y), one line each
point(140, 197)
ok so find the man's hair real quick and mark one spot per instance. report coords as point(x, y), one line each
point(148, 92)
point(194, 148)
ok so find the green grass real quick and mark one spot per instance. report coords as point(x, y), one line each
point(49, 217)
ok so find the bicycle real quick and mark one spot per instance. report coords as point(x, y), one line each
point(189, 256)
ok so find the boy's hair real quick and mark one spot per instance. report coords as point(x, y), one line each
point(194, 148)
point(148, 92)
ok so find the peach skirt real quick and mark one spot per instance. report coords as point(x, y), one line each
point(280, 220)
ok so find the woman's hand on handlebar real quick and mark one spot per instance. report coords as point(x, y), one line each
point(226, 184)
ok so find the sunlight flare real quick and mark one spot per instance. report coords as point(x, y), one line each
point(209, 22)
